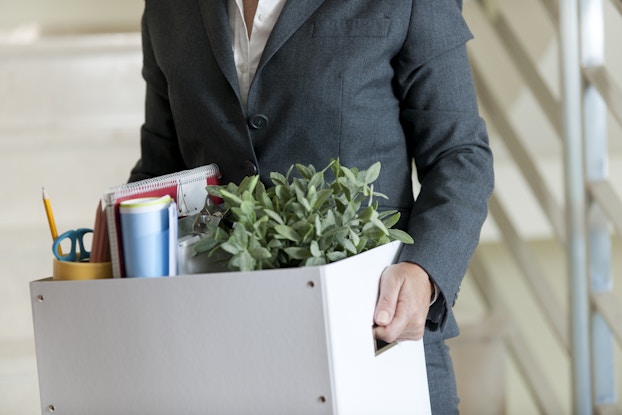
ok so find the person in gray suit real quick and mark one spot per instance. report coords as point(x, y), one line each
point(257, 85)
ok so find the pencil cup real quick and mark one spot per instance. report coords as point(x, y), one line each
point(145, 236)
point(68, 270)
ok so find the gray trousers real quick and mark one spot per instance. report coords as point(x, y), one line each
point(441, 379)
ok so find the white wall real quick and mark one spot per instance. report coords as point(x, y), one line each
point(70, 16)
point(69, 119)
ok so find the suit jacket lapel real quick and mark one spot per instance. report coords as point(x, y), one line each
point(216, 22)
point(293, 15)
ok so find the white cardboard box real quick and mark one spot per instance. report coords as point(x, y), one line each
point(288, 341)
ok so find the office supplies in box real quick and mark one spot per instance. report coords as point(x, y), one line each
point(186, 188)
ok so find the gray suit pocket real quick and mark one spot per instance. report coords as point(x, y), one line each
point(369, 27)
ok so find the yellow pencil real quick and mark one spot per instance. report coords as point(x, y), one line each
point(50, 215)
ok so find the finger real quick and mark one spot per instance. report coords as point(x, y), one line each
point(389, 333)
point(387, 299)
point(382, 333)
point(408, 324)
point(399, 328)
point(411, 312)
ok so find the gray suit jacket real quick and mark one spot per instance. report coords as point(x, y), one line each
point(362, 80)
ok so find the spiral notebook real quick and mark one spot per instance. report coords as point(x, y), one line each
point(186, 187)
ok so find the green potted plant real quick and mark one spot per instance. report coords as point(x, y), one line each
point(301, 220)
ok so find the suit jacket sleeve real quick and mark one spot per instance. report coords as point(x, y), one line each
point(158, 133)
point(449, 144)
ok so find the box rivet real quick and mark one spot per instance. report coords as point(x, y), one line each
point(322, 399)
point(51, 408)
point(310, 284)
point(40, 298)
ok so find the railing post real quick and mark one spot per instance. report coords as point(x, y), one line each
point(599, 245)
point(575, 207)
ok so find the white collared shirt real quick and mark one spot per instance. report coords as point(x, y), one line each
point(247, 53)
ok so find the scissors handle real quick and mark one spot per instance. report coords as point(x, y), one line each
point(76, 238)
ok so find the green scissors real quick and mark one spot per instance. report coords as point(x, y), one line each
point(77, 238)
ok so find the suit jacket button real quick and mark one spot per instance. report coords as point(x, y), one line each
point(249, 168)
point(258, 121)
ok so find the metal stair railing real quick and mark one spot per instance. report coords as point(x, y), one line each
point(587, 330)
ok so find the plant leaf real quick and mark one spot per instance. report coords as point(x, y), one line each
point(278, 179)
point(315, 249)
point(350, 212)
point(262, 196)
point(274, 216)
point(391, 219)
point(230, 198)
point(347, 244)
point(213, 190)
point(354, 237)
point(400, 235)
point(283, 193)
point(336, 256)
point(243, 261)
point(259, 253)
point(230, 247)
point(314, 261)
point(317, 180)
point(322, 196)
point(288, 233)
point(372, 173)
point(297, 253)
point(349, 174)
point(248, 184)
point(305, 171)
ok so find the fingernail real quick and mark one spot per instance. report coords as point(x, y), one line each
point(382, 317)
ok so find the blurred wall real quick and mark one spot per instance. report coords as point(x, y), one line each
point(71, 16)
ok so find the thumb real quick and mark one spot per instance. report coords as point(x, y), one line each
point(387, 299)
